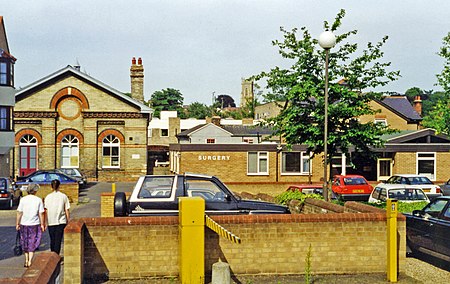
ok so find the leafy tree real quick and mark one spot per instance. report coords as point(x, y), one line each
point(199, 110)
point(411, 93)
point(224, 101)
point(301, 87)
point(439, 117)
point(167, 99)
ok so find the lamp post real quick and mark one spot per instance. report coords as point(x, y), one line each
point(327, 40)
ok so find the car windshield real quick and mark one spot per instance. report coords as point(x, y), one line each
point(419, 180)
point(354, 181)
point(156, 187)
point(2, 184)
point(407, 194)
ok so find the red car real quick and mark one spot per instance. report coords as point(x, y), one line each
point(351, 187)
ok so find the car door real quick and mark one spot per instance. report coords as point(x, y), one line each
point(441, 232)
point(421, 228)
point(217, 200)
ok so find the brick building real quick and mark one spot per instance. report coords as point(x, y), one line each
point(71, 120)
point(7, 92)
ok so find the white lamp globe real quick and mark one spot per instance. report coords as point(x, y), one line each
point(327, 40)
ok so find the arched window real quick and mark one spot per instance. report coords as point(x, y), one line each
point(69, 152)
point(28, 154)
point(111, 152)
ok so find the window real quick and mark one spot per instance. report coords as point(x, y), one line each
point(156, 187)
point(205, 189)
point(257, 163)
point(381, 121)
point(111, 150)
point(295, 163)
point(5, 119)
point(210, 141)
point(69, 152)
point(384, 168)
point(164, 132)
point(248, 140)
point(426, 165)
point(6, 73)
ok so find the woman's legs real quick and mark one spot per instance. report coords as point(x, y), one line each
point(56, 234)
point(30, 257)
point(27, 257)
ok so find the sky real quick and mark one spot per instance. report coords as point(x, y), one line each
point(201, 47)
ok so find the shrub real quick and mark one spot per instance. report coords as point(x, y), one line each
point(403, 207)
point(287, 196)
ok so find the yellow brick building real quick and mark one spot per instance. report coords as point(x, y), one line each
point(71, 120)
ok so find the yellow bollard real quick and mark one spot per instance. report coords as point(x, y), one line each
point(192, 239)
point(113, 188)
point(392, 257)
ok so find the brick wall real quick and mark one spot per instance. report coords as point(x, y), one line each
point(136, 247)
point(69, 189)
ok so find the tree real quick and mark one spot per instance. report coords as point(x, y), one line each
point(301, 87)
point(439, 116)
point(167, 99)
point(411, 93)
point(199, 110)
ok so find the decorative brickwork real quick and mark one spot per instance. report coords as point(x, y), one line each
point(69, 92)
point(29, 131)
point(73, 132)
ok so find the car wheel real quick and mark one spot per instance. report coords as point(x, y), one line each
point(120, 204)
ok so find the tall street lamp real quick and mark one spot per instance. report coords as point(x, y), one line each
point(327, 40)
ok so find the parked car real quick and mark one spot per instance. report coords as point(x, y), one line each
point(431, 190)
point(44, 177)
point(445, 188)
point(351, 187)
point(8, 193)
point(158, 195)
point(428, 230)
point(76, 174)
point(307, 188)
point(401, 192)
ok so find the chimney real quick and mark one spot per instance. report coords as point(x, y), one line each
point(137, 79)
point(418, 105)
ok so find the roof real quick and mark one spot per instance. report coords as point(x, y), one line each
point(70, 70)
point(3, 39)
point(235, 130)
point(401, 106)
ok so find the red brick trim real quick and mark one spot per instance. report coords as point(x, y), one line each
point(74, 226)
point(69, 91)
point(66, 132)
point(30, 131)
point(114, 132)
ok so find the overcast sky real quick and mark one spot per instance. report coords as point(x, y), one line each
point(201, 47)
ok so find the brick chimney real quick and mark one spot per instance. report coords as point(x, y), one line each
point(137, 79)
point(215, 120)
point(418, 105)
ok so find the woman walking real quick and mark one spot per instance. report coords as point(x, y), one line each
point(57, 205)
point(30, 222)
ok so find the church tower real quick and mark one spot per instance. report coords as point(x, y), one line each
point(247, 92)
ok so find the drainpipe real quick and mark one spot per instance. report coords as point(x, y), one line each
point(96, 151)
point(56, 140)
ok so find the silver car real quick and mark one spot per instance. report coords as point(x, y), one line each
point(8, 193)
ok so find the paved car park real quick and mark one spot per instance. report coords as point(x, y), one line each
point(417, 269)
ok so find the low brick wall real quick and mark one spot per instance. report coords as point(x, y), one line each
point(107, 203)
point(137, 247)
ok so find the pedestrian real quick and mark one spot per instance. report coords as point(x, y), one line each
point(57, 211)
point(30, 222)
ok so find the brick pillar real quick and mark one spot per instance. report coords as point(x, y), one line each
point(137, 79)
point(74, 252)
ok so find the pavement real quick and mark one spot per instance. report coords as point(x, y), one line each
point(88, 206)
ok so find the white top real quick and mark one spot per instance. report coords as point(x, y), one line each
point(30, 206)
point(56, 203)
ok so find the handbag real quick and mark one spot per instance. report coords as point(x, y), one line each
point(18, 246)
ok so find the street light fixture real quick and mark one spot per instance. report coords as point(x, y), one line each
point(327, 40)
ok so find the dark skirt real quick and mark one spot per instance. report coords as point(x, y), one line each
point(30, 237)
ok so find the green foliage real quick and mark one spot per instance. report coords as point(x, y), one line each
point(308, 272)
point(287, 196)
point(301, 86)
point(403, 207)
point(167, 99)
point(199, 110)
point(439, 116)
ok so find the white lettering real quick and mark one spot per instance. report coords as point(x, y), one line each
point(213, 158)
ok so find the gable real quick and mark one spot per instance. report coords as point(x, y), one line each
point(210, 130)
point(40, 95)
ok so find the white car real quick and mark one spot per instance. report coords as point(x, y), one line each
point(430, 189)
point(401, 192)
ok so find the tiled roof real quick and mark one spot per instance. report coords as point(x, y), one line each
point(402, 106)
point(235, 130)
